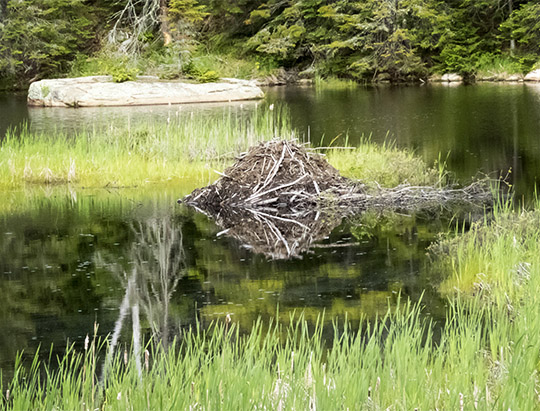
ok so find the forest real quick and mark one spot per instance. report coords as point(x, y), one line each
point(369, 40)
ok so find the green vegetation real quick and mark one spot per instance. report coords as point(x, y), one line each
point(385, 165)
point(496, 260)
point(381, 40)
point(38, 39)
point(497, 67)
point(484, 359)
point(184, 147)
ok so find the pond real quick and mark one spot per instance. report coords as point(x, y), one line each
point(69, 259)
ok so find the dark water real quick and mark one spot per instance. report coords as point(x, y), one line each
point(67, 259)
point(70, 259)
point(487, 128)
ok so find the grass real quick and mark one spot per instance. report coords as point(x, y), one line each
point(385, 165)
point(335, 83)
point(498, 67)
point(172, 63)
point(481, 361)
point(184, 148)
point(497, 259)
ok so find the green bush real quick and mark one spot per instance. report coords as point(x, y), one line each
point(121, 68)
point(198, 70)
point(123, 73)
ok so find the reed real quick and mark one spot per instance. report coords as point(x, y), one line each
point(484, 356)
point(384, 165)
point(497, 258)
point(394, 363)
point(183, 148)
point(185, 151)
point(335, 83)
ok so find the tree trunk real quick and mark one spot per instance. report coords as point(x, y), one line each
point(510, 10)
point(164, 22)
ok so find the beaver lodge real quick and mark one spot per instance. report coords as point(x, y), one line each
point(280, 197)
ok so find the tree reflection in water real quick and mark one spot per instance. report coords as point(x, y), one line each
point(158, 262)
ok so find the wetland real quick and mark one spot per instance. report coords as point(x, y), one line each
point(92, 234)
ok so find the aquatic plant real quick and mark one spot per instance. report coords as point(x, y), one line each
point(496, 258)
point(384, 165)
point(185, 147)
point(395, 362)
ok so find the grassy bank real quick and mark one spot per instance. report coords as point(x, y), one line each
point(482, 360)
point(496, 260)
point(385, 164)
point(184, 150)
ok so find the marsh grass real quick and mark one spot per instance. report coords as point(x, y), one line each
point(183, 150)
point(498, 67)
point(384, 165)
point(185, 147)
point(480, 360)
point(335, 83)
point(498, 258)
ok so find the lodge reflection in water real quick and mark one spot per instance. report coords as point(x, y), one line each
point(140, 265)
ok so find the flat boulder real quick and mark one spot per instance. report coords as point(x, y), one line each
point(533, 76)
point(102, 91)
point(451, 78)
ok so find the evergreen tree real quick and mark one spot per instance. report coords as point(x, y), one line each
point(39, 37)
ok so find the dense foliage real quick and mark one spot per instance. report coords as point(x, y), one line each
point(395, 40)
point(39, 37)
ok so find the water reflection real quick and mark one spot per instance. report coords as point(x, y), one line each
point(13, 111)
point(157, 263)
point(125, 258)
point(274, 235)
point(50, 119)
point(487, 128)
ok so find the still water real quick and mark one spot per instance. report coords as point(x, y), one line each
point(69, 259)
point(487, 128)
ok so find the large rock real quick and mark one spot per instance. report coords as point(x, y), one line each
point(533, 76)
point(451, 78)
point(445, 78)
point(102, 91)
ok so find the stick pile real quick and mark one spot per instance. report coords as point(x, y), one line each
point(279, 197)
point(276, 176)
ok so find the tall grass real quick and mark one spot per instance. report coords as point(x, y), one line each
point(385, 165)
point(498, 258)
point(480, 361)
point(335, 83)
point(173, 62)
point(185, 147)
point(498, 67)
